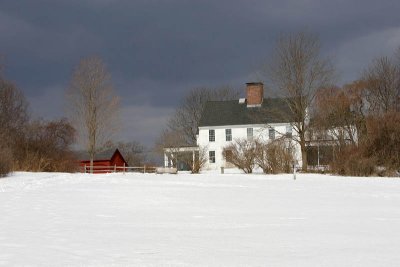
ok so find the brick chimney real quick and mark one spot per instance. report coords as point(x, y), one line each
point(254, 94)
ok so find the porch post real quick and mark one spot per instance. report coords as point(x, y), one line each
point(166, 160)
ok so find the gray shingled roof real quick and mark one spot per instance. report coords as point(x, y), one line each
point(219, 113)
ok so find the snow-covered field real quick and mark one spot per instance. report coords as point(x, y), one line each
point(198, 220)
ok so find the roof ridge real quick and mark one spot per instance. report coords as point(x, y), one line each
point(222, 100)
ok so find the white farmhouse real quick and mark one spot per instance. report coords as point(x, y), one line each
point(253, 117)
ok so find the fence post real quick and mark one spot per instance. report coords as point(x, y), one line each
point(144, 169)
point(115, 168)
point(193, 162)
point(84, 170)
point(124, 168)
point(294, 171)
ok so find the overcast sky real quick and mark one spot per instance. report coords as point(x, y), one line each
point(156, 50)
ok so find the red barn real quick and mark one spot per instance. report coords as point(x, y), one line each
point(107, 161)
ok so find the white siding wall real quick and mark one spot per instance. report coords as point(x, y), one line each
point(259, 131)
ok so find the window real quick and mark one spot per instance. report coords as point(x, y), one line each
point(211, 135)
point(228, 155)
point(211, 156)
point(271, 133)
point(289, 131)
point(249, 133)
point(228, 134)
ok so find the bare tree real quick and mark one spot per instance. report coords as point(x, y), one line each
point(93, 107)
point(297, 70)
point(356, 93)
point(382, 80)
point(133, 152)
point(333, 116)
point(187, 116)
point(13, 110)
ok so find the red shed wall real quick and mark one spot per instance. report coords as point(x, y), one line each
point(117, 160)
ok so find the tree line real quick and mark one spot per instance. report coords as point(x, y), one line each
point(27, 144)
point(367, 112)
point(360, 121)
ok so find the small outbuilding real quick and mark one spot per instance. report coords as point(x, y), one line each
point(108, 161)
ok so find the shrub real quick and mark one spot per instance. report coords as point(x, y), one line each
point(241, 153)
point(46, 147)
point(200, 159)
point(351, 161)
point(377, 154)
point(5, 161)
point(274, 157)
point(383, 141)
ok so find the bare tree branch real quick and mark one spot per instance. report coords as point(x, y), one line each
point(298, 71)
point(382, 80)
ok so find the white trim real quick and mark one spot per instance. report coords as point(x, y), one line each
point(245, 125)
point(181, 149)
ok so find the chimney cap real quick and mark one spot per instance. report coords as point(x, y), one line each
point(255, 83)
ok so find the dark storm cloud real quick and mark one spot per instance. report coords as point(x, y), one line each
point(157, 49)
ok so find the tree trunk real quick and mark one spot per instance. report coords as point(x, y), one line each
point(91, 163)
point(304, 164)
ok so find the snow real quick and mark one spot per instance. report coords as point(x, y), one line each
point(209, 219)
